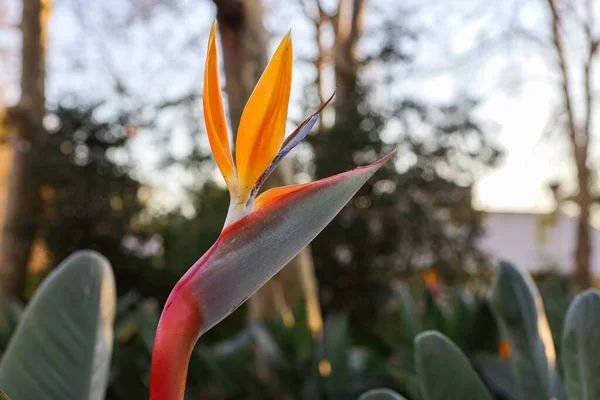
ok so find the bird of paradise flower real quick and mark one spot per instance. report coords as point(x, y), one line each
point(262, 233)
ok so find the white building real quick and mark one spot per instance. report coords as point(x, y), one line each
point(536, 242)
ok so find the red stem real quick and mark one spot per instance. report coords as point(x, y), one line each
point(177, 333)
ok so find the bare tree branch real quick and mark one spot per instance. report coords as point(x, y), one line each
point(564, 72)
point(593, 46)
point(580, 139)
point(178, 101)
point(23, 204)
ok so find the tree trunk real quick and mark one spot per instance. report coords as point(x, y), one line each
point(579, 136)
point(582, 276)
point(244, 40)
point(348, 24)
point(23, 204)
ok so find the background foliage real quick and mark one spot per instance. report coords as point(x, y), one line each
point(117, 161)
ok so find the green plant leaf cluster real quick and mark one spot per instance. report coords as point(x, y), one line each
point(444, 372)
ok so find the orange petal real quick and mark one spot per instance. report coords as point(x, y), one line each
point(504, 350)
point(214, 115)
point(262, 125)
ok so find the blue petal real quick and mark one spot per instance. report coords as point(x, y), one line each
point(292, 141)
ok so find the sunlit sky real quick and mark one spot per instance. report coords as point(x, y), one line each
point(516, 84)
point(520, 116)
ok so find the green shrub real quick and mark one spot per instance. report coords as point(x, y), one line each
point(444, 371)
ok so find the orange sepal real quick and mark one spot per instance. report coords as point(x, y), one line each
point(280, 193)
point(214, 114)
point(272, 195)
point(262, 125)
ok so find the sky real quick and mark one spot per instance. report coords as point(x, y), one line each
point(516, 83)
point(519, 92)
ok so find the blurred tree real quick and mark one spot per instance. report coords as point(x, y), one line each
point(89, 199)
point(361, 106)
point(244, 40)
point(173, 103)
point(577, 124)
point(23, 204)
point(201, 229)
point(398, 222)
point(560, 49)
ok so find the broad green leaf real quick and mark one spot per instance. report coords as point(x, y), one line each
point(557, 386)
point(380, 394)
point(10, 313)
point(62, 346)
point(556, 295)
point(3, 396)
point(302, 336)
point(435, 317)
point(461, 319)
point(498, 377)
point(411, 324)
point(222, 374)
point(334, 364)
point(269, 348)
point(520, 312)
point(484, 335)
point(581, 347)
point(444, 371)
point(147, 314)
point(405, 379)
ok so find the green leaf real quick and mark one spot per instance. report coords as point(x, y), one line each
point(435, 317)
point(269, 348)
point(336, 346)
point(520, 312)
point(10, 313)
point(581, 347)
point(148, 314)
point(62, 346)
point(498, 377)
point(485, 333)
point(555, 291)
point(404, 380)
point(444, 370)
point(221, 374)
point(3, 396)
point(408, 312)
point(302, 336)
point(462, 317)
point(380, 394)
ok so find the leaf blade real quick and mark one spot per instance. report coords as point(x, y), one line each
point(380, 394)
point(443, 369)
point(518, 307)
point(581, 345)
point(63, 343)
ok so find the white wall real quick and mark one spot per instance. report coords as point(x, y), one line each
point(514, 237)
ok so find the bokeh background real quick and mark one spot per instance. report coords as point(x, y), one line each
point(491, 104)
